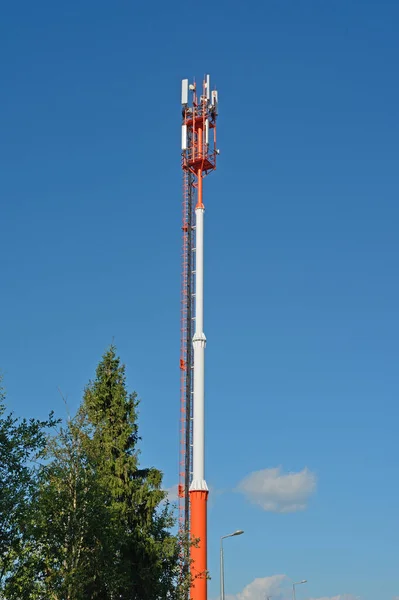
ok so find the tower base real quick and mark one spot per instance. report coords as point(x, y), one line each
point(198, 552)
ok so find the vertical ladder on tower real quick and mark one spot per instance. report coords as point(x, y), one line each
point(186, 365)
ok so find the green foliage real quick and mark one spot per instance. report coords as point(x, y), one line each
point(96, 524)
point(68, 516)
point(22, 443)
point(142, 562)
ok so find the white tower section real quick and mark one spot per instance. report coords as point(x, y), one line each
point(199, 343)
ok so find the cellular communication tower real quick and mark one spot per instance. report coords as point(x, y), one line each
point(199, 152)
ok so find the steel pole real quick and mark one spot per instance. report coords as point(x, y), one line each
point(221, 570)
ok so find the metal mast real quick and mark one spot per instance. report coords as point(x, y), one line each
point(198, 159)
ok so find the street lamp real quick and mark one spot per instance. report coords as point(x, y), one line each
point(238, 532)
point(293, 587)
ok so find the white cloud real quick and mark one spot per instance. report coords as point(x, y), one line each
point(260, 588)
point(339, 597)
point(279, 587)
point(275, 491)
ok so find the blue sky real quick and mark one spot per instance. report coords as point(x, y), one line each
point(301, 259)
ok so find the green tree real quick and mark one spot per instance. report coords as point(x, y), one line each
point(69, 520)
point(100, 528)
point(140, 560)
point(22, 444)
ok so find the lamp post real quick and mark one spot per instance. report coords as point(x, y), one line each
point(293, 587)
point(238, 532)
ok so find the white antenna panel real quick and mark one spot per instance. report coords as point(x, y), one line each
point(207, 131)
point(184, 91)
point(184, 137)
point(208, 87)
point(214, 97)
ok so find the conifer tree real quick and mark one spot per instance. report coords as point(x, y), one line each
point(98, 526)
point(139, 559)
